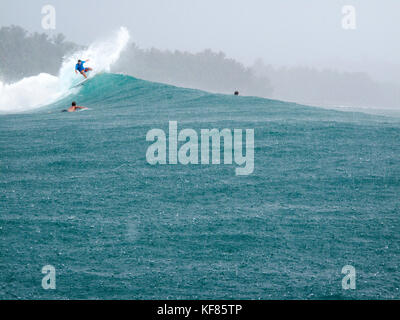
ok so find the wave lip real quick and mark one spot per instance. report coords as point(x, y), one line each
point(34, 92)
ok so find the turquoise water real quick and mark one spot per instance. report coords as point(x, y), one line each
point(77, 193)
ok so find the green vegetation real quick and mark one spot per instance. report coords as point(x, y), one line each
point(206, 70)
point(23, 54)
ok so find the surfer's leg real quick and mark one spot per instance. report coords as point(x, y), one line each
point(84, 74)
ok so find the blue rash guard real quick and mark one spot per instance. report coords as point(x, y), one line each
point(80, 67)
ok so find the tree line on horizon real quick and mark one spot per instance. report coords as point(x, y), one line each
point(24, 54)
point(206, 70)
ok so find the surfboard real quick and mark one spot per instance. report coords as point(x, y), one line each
point(83, 81)
point(80, 83)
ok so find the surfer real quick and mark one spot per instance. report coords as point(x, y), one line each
point(82, 70)
point(74, 108)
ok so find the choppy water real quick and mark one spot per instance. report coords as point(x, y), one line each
point(77, 193)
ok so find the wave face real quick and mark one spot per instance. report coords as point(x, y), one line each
point(76, 192)
point(43, 89)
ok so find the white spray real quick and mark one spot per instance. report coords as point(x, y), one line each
point(33, 92)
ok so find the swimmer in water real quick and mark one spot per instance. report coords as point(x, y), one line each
point(74, 108)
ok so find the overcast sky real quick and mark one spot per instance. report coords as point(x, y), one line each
point(281, 32)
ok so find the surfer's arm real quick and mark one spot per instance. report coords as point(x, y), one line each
point(82, 108)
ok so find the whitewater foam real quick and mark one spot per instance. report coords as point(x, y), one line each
point(33, 92)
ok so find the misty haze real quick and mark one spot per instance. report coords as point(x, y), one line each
point(306, 57)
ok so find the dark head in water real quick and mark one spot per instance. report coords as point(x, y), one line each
point(236, 93)
point(73, 104)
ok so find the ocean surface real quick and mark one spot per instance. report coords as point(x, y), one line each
point(77, 193)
